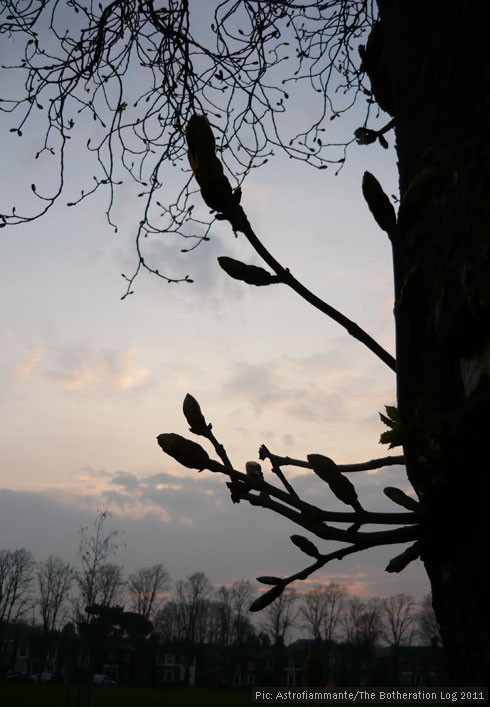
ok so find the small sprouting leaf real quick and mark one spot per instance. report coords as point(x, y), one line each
point(398, 563)
point(306, 546)
point(392, 413)
point(267, 598)
point(394, 437)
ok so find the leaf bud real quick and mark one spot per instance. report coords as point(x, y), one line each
point(187, 453)
point(401, 498)
point(194, 416)
point(339, 484)
point(306, 546)
point(267, 598)
point(251, 274)
point(379, 204)
point(398, 563)
point(266, 579)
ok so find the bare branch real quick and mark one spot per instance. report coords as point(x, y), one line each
point(124, 77)
point(303, 463)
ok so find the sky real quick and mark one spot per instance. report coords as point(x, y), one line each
point(88, 381)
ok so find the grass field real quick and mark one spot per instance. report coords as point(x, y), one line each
point(24, 695)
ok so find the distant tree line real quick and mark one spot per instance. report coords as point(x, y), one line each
point(99, 602)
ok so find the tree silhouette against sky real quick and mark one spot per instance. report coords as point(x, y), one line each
point(142, 72)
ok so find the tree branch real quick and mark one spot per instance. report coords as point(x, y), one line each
point(240, 222)
point(277, 460)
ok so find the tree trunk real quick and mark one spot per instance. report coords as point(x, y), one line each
point(433, 65)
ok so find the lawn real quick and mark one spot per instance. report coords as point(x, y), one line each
point(22, 695)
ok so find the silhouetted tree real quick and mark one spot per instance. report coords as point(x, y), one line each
point(146, 588)
point(16, 577)
point(189, 602)
point(427, 67)
point(399, 619)
point(362, 622)
point(321, 610)
point(279, 617)
point(54, 579)
point(99, 581)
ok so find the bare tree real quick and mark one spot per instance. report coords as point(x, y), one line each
point(312, 612)
point(321, 609)
point(16, 576)
point(428, 629)
point(279, 617)
point(166, 622)
point(111, 584)
point(55, 579)
point(241, 593)
point(146, 589)
point(399, 618)
point(190, 605)
point(223, 616)
point(362, 622)
point(99, 581)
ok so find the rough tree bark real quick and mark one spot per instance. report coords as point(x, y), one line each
point(432, 74)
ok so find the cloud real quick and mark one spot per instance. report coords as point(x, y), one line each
point(125, 479)
point(202, 531)
point(314, 388)
point(92, 368)
point(31, 361)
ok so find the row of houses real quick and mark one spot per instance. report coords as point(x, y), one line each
point(252, 663)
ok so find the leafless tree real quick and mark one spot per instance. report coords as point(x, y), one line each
point(146, 588)
point(54, 579)
point(241, 592)
point(362, 622)
point(279, 617)
point(222, 620)
point(428, 629)
point(99, 581)
point(321, 609)
point(399, 619)
point(16, 577)
point(111, 584)
point(166, 622)
point(190, 605)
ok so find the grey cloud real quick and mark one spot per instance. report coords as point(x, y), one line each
point(226, 540)
point(161, 478)
point(125, 479)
